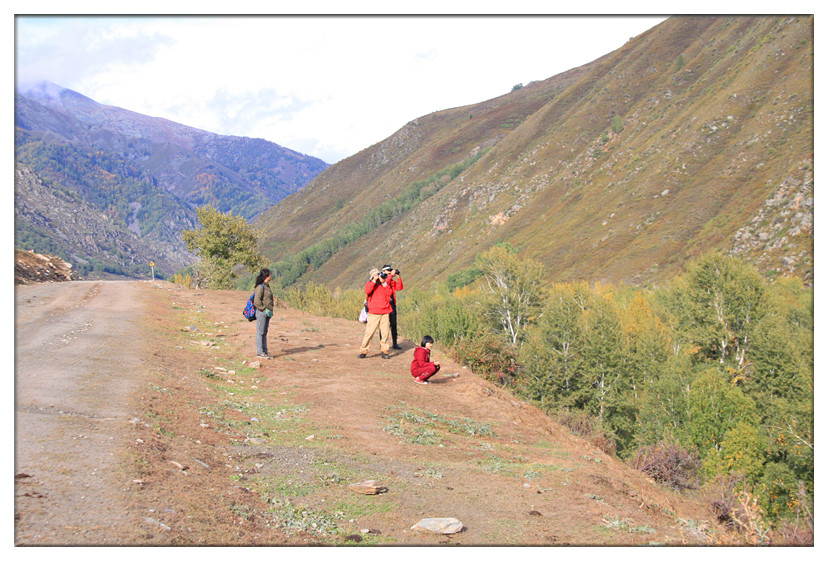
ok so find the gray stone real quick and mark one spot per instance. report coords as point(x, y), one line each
point(439, 525)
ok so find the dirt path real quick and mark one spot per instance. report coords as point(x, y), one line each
point(142, 417)
point(77, 364)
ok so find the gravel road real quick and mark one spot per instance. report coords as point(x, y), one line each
point(77, 365)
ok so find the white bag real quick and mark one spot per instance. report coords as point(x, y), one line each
point(363, 314)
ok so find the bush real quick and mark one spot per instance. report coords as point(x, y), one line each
point(588, 427)
point(669, 464)
point(488, 355)
point(448, 317)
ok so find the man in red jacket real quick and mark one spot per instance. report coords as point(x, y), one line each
point(379, 290)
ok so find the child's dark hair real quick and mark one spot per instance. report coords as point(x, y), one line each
point(263, 274)
point(426, 339)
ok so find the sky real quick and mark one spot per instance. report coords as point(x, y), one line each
point(323, 86)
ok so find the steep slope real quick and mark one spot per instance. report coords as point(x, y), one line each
point(147, 174)
point(56, 220)
point(697, 134)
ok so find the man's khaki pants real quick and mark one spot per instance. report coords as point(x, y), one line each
point(377, 321)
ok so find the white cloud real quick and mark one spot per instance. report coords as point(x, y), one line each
point(328, 86)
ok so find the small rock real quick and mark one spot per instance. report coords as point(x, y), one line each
point(534, 513)
point(255, 364)
point(311, 437)
point(353, 538)
point(369, 487)
point(439, 525)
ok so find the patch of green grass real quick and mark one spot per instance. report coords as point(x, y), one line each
point(334, 473)
point(292, 519)
point(499, 466)
point(423, 427)
point(263, 421)
point(361, 506)
point(273, 490)
point(431, 472)
point(626, 525)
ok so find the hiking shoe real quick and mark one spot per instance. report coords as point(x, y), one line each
point(361, 355)
point(266, 355)
point(416, 381)
point(398, 347)
point(386, 355)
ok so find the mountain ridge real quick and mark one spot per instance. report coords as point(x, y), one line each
point(618, 171)
point(145, 174)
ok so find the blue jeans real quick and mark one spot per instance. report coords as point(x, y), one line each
point(262, 323)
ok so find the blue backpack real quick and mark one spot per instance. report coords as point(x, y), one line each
point(249, 310)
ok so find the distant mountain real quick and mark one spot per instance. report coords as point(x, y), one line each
point(695, 135)
point(146, 175)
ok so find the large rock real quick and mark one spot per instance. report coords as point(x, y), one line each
point(439, 525)
point(369, 487)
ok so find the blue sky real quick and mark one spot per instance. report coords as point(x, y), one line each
point(324, 86)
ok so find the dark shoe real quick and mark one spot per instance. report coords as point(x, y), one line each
point(418, 381)
point(266, 355)
point(386, 355)
point(398, 347)
point(361, 355)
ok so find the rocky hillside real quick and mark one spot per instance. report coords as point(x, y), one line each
point(30, 268)
point(145, 175)
point(52, 219)
point(697, 134)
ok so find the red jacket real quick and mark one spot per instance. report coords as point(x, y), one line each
point(379, 297)
point(422, 357)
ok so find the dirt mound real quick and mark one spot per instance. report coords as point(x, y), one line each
point(31, 267)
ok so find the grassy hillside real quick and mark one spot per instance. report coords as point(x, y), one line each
point(697, 134)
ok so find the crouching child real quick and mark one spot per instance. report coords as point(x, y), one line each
point(421, 367)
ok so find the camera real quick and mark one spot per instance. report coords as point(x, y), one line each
point(383, 275)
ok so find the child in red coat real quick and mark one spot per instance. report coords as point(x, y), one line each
point(421, 368)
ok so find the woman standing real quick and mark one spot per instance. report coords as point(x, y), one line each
point(263, 302)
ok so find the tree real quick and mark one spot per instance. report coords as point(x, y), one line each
point(720, 302)
point(714, 407)
point(551, 354)
point(223, 242)
point(513, 296)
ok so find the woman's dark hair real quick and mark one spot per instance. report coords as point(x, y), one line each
point(263, 274)
point(426, 339)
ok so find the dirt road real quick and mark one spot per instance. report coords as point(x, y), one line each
point(78, 361)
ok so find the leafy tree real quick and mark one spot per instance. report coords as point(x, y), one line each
point(551, 354)
point(512, 293)
point(663, 411)
point(646, 344)
point(223, 242)
point(720, 302)
point(740, 452)
point(714, 407)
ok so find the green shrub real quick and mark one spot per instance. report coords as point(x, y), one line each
point(489, 356)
